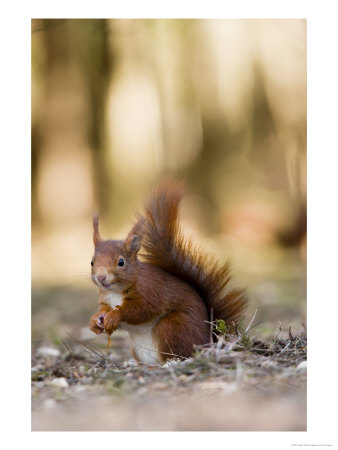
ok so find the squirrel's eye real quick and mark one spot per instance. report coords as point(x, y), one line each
point(91, 263)
point(121, 262)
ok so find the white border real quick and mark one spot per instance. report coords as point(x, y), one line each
point(323, 227)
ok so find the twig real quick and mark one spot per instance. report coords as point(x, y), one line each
point(287, 345)
point(103, 355)
point(69, 350)
point(158, 366)
point(162, 353)
point(92, 355)
point(277, 335)
point(100, 354)
point(211, 324)
point(248, 327)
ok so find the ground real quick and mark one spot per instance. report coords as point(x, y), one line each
point(242, 382)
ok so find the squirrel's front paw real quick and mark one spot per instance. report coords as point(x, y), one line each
point(96, 323)
point(111, 321)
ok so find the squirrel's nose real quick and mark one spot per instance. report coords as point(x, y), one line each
point(101, 277)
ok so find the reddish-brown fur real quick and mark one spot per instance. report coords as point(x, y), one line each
point(164, 245)
point(174, 286)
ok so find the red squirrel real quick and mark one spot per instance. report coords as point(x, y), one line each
point(165, 297)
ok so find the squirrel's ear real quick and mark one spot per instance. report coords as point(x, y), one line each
point(96, 235)
point(132, 244)
point(134, 237)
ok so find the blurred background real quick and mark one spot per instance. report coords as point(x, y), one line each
point(118, 104)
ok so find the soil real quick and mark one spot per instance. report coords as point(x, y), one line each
point(243, 382)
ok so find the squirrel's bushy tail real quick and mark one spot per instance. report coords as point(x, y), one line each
point(165, 246)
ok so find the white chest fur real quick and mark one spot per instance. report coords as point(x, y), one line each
point(113, 299)
point(141, 335)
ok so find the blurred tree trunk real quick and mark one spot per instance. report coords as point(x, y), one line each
point(68, 140)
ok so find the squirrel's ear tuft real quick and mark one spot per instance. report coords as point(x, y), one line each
point(132, 245)
point(96, 235)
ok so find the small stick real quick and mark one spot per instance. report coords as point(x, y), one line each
point(277, 335)
point(69, 350)
point(100, 354)
point(287, 345)
point(211, 324)
point(248, 327)
point(103, 355)
point(163, 353)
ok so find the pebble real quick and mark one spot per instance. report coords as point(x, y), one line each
point(171, 363)
point(48, 351)
point(187, 361)
point(60, 382)
point(302, 365)
point(49, 403)
point(129, 363)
